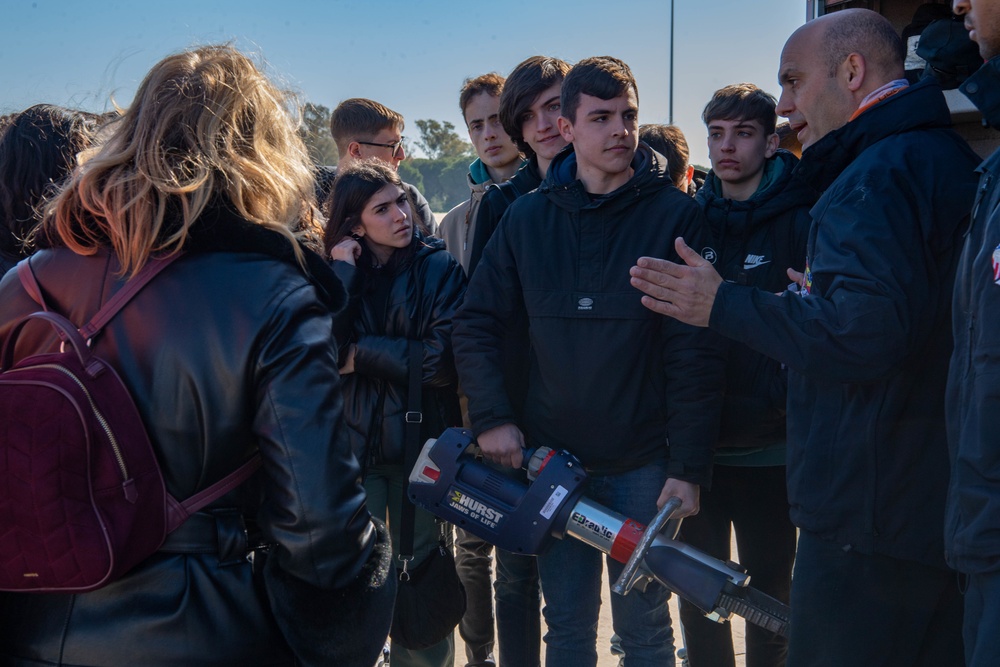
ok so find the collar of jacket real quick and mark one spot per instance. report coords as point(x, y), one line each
point(476, 189)
point(983, 90)
point(426, 246)
point(528, 177)
point(921, 106)
point(781, 193)
point(567, 191)
point(220, 229)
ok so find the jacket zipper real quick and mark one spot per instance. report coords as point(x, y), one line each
point(115, 447)
point(983, 188)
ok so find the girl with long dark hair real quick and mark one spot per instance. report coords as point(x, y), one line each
point(402, 286)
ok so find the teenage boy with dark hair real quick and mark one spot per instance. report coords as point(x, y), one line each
point(363, 128)
point(607, 382)
point(758, 218)
point(498, 159)
point(529, 110)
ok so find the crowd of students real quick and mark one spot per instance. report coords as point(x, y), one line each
point(796, 345)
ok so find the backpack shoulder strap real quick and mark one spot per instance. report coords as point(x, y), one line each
point(114, 304)
point(178, 511)
point(30, 283)
point(125, 294)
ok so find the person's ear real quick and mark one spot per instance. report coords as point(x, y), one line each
point(357, 232)
point(771, 147)
point(688, 178)
point(853, 71)
point(565, 128)
point(354, 150)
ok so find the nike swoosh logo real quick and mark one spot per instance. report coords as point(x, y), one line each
point(755, 265)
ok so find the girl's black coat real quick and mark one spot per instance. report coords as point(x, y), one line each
point(425, 291)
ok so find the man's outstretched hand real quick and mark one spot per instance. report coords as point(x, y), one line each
point(685, 292)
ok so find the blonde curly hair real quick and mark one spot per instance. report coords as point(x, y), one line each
point(205, 124)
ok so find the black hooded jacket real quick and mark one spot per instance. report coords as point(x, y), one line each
point(753, 242)
point(608, 379)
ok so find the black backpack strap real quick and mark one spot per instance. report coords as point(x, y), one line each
point(411, 450)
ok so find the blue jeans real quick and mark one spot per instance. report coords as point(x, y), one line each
point(570, 573)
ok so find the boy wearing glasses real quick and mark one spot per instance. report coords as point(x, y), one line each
point(364, 129)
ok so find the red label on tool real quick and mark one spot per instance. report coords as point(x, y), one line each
point(626, 540)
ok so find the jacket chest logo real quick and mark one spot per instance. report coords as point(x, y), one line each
point(585, 303)
point(753, 261)
point(996, 265)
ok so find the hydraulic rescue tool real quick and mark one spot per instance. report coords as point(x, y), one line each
point(449, 481)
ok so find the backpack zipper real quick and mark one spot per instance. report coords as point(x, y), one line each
point(97, 414)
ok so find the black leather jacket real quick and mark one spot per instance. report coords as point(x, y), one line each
point(225, 353)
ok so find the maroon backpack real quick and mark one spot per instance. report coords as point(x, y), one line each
point(82, 500)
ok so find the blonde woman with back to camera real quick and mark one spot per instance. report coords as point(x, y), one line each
point(227, 352)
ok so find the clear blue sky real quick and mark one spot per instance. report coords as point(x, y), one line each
point(411, 55)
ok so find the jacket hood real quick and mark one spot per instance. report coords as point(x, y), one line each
point(926, 109)
point(566, 191)
point(781, 191)
point(983, 90)
point(478, 173)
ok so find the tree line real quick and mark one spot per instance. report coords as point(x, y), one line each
point(441, 176)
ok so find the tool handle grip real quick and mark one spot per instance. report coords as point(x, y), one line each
point(627, 578)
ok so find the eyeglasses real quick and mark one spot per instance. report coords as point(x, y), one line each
point(396, 146)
